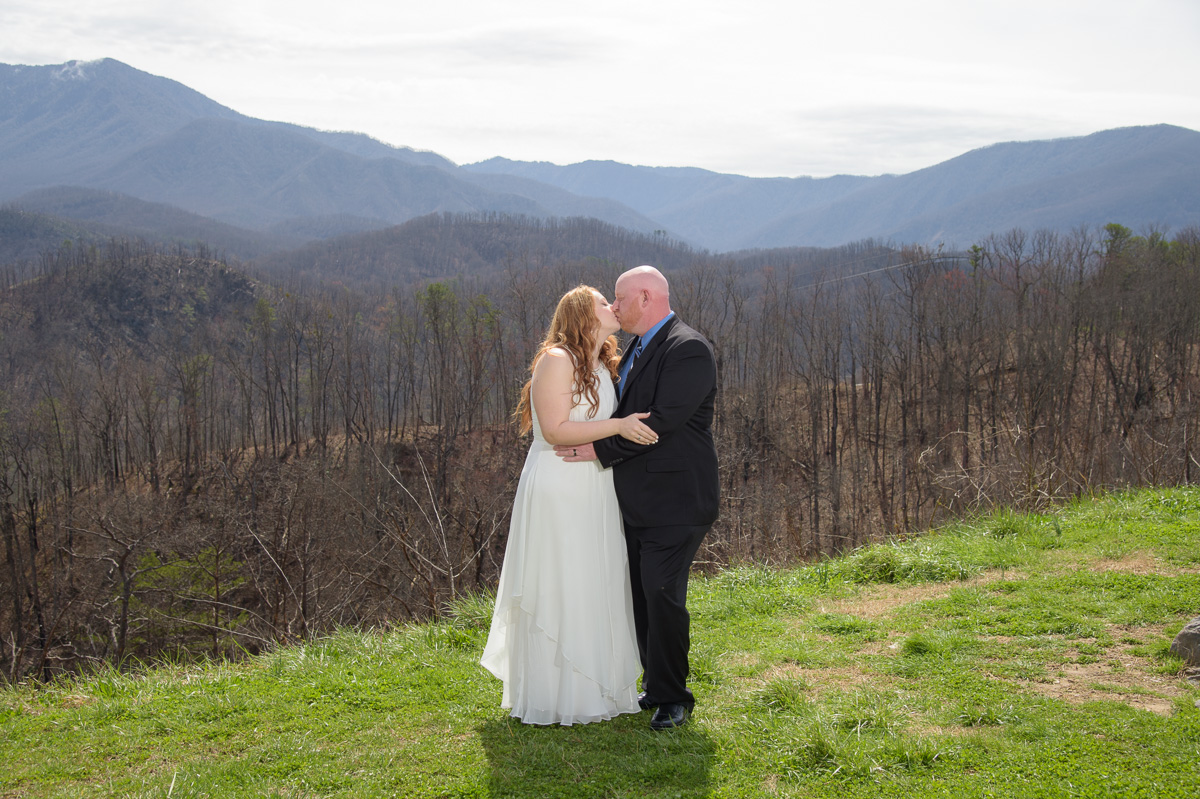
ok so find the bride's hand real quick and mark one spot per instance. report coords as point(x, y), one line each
point(633, 429)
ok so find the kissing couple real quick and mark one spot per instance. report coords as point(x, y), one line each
point(617, 492)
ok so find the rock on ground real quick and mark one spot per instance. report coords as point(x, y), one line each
point(1187, 644)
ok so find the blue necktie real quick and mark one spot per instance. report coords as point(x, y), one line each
point(629, 367)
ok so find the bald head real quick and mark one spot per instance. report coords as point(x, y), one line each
point(644, 277)
point(642, 299)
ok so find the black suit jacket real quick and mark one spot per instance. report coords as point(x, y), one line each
point(673, 482)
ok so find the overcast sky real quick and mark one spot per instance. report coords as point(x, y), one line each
point(752, 87)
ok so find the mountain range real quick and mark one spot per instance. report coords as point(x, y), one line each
point(106, 144)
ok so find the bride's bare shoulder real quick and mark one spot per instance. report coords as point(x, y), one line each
point(555, 360)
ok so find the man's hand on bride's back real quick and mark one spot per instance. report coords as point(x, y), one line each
point(575, 453)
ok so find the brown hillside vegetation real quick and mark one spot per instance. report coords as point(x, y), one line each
point(195, 461)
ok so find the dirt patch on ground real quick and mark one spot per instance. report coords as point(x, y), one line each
point(822, 679)
point(879, 600)
point(1117, 677)
point(1134, 563)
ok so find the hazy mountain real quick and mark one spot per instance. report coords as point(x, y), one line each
point(448, 245)
point(112, 214)
point(57, 123)
point(1143, 176)
point(25, 235)
point(256, 176)
point(712, 209)
point(104, 125)
point(67, 120)
point(1136, 176)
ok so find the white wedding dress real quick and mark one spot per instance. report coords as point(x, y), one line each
point(562, 637)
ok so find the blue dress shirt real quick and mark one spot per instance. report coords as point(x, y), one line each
point(637, 350)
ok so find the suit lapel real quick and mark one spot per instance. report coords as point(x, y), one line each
point(647, 353)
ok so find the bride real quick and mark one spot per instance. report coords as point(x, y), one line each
point(562, 638)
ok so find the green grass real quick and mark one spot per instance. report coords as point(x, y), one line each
point(1007, 656)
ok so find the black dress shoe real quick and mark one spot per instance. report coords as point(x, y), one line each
point(668, 717)
point(644, 703)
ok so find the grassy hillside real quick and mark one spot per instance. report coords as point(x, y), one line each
point(1015, 655)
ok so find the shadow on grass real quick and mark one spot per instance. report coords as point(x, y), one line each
point(622, 757)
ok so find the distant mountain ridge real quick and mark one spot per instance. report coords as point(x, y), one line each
point(1136, 176)
point(104, 125)
point(108, 127)
point(109, 214)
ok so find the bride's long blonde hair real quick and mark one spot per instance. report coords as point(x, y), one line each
point(574, 328)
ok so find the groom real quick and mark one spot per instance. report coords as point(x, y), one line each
point(668, 492)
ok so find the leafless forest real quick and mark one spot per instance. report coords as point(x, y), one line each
point(195, 461)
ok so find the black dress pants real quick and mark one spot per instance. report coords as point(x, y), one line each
point(659, 561)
